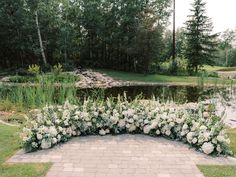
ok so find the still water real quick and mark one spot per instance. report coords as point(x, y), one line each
point(179, 94)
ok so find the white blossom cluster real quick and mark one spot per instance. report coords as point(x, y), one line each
point(188, 123)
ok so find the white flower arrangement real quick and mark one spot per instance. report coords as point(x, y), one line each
point(56, 124)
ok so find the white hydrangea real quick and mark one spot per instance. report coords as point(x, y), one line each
point(208, 148)
point(102, 132)
point(46, 144)
point(55, 124)
point(147, 129)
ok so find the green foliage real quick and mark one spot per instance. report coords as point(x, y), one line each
point(200, 42)
point(180, 66)
point(217, 171)
point(118, 34)
point(57, 69)
point(47, 91)
point(9, 144)
point(60, 78)
point(34, 69)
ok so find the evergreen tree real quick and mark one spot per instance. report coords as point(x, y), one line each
point(201, 43)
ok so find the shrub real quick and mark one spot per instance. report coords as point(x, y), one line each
point(179, 66)
point(57, 69)
point(190, 124)
point(34, 69)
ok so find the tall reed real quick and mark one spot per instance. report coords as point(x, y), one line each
point(46, 92)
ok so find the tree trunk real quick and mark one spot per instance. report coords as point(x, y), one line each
point(40, 39)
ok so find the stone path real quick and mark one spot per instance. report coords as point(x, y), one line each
point(122, 156)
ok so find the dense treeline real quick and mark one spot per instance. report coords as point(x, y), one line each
point(118, 34)
point(130, 35)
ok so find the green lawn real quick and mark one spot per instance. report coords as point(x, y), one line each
point(213, 68)
point(218, 171)
point(175, 80)
point(221, 171)
point(9, 144)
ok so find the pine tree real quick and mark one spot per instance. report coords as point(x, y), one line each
point(201, 44)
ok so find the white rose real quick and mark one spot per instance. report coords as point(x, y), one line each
point(207, 148)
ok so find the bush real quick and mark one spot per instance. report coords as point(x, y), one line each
point(57, 69)
point(190, 124)
point(34, 69)
point(61, 78)
point(179, 67)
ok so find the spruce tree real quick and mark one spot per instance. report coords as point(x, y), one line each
point(201, 44)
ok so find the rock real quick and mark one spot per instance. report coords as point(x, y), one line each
point(92, 79)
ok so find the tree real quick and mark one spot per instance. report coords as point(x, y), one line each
point(227, 39)
point(201, 44)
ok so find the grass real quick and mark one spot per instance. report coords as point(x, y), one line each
point(221, 171)
point(162, 79)
point(60, 78)
point(232, 136)
point(218, 171)
point(209, 68)
point(24, 96)
point(9, 144)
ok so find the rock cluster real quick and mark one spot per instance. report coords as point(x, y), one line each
point(92, 79)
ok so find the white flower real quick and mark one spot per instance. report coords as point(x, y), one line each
point(208, 148)
point(121, 123)
point(147, 129)
point(172, 124)
point(203, 128)
point(34, 144)
point(206, 114)
point(46, 144)
point(168, 132)
point(154, 125)
point(39, 136)
point(52, 131)
point(219, 150)
point(102, 132)
point(190, 137)
point(58, 138)
point(194, 141)
point(158, 132)
point(132, 128)
point(54, 141)
point(185, 126)
point(220, 138)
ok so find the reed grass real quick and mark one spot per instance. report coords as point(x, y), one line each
point(47, 91)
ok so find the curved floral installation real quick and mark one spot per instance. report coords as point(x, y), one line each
point(194, 124)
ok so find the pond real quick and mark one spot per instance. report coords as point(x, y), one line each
point(178, 94)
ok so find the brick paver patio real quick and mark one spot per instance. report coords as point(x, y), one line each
point(122, 156)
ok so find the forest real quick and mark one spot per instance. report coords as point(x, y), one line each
point(127, 35)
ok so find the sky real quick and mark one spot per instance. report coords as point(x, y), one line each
point(222, 13)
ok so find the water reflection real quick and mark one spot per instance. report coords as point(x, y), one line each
point(178, 94)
